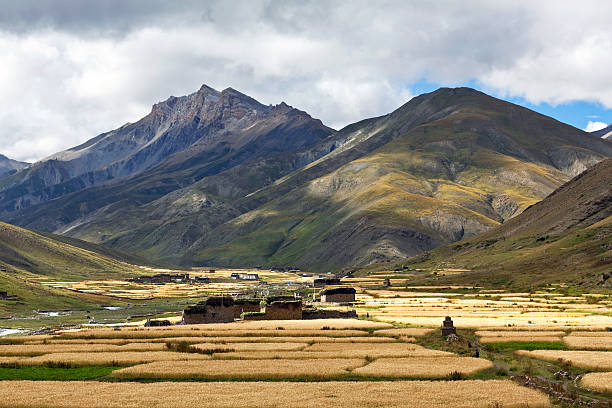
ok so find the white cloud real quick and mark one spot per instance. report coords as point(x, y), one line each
point(69, 73)
point(593, 126)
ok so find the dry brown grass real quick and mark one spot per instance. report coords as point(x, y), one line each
point(339, 394)
point(597, 381)
point(254, 346)
point(423, 367)
point(594, 360)
point(241, 369)
point(104, 358)
point(30, 350)
point(503, 339)
point(406, 332)
point(591, 343)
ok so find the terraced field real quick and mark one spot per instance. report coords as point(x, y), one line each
point(395, 349)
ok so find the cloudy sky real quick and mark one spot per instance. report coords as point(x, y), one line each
point(71, 69)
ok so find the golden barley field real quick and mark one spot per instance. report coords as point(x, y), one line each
point(597, 381)
point(591, 333)
point(590, 342)
point(404, 332)
point(241, 369)
point(305, 362)
point(593, 360)
point(110, 358)
point(415, 394)
point(254, 346)
point(518, 333)
point(222, 340)
point(195, 332)
point(504, 339)
point(423, 367)
point(39, 349)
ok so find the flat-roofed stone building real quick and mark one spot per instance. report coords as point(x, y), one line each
point(338, 295)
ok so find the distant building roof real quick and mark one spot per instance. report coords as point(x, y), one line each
point(338, 291)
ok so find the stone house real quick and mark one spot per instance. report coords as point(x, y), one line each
point(322, 282)
point(215, 309)
point(338, 295)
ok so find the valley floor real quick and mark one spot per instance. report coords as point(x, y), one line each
point(513, 349)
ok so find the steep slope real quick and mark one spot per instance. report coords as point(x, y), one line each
point(10, 166)
point(566, 238)
point(606, 132)
point(445, 166)
point(191, 136)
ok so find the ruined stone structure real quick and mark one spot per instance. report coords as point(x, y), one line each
point(215, 309)
point(308, 314)
point(322, 282)
point(283, 310)
point(161, 278)
point(157, 323)
point(448, 328)
point(338, 295)
point(246, 306)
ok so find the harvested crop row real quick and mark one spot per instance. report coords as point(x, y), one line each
point(311, 355)
point(405, 332)
point(506, 339)
point(592, 343)
point(597, 381)
point(594, 360)
point(423, 367)
point(518, 333)
point(591, 333)
point(159, 333)
point(254, 346)
point(222, 340)
point(31, 350)
point(339, 394)
point(104, 358)
point(363, 347)
point(241, 369)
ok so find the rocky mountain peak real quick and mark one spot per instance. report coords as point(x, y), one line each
point(605, 133)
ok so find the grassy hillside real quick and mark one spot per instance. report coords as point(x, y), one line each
point(566, 238)
point(23, 250)
point(446, 168)
point(27, 256)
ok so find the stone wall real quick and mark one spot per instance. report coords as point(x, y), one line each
point(212, 310)
point(287, 310)
point(245, 306)
point(329, 314)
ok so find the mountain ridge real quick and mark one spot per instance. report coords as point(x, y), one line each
point(565, 238)
point(9, 166)
point(445, 166)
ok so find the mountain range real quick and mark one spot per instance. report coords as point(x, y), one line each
point(217, 178)
point(606, 132)
point(564, 239)
point(10, 166)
